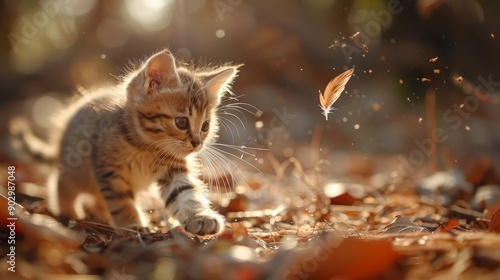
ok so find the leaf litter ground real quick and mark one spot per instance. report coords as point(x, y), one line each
point(292, 223)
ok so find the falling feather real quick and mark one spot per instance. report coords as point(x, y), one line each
point(333, 90)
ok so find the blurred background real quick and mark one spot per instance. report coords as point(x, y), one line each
point(406, 54)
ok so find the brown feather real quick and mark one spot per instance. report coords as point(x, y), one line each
point(333, 91)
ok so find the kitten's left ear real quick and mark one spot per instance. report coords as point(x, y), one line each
point(219, 83)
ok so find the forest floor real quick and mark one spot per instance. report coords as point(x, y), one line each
point(293, 223)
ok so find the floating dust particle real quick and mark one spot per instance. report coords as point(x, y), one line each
point(344, 119)
point(420, 120)
point(335, 44)
point(356, 126)
point(393, 40)
point(437, 71)
point(365, 47)
point(462, 106)
point(354, 35)
point(103, 56)
point(426, 79)
point(259, 125)
point(434, 59)
point(400, 81)
point(467, 128)
point(343, 45)
point(370, 71)
point(458, 79)
point(492, 36)
point(382, 58)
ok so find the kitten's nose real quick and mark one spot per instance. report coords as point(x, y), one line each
point(195, 143)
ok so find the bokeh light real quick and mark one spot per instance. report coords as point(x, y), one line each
point(151, 15)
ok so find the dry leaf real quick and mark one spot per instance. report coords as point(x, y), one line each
point(333, 90)
point(344, 193)
point(495, 222)
point(365, 47)
point(434, 59)
point(402, 225)
point(425, 79)
point(437, 71)
point(354, 35)
point(338, 258)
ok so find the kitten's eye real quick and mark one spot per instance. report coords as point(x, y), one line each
point(182, 123)
point(205, 126)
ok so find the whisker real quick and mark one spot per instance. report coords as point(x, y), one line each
point(228, 128)
point(232, 123)
point(241, 147)
point(211, 163)
point(239, 106)
point(236, 110)
point(215, 161)
point(235, 116)
point(222, 152)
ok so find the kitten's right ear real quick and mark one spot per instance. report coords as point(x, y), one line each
point(160, 70)
point(220, 82)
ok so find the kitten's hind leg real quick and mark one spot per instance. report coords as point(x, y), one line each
point(186, 199)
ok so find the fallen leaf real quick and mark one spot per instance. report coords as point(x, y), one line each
point(402, 225)
point(333, 90)
point(445, 186)
point(353, 258)
point(450, 225)
point(239, 230)
point(344, 194)
point(495, 222)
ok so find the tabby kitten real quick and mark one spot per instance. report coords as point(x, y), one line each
point(149, 129)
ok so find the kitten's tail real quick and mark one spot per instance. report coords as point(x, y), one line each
point(27, 145)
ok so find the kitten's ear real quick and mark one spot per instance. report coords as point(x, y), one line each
point(160, 69)
point(218, 83)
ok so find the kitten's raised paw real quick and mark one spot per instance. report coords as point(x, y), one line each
point(205, 223)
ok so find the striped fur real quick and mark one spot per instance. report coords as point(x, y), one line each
point(121, 141)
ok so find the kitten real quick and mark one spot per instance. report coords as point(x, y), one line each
point(144, 132)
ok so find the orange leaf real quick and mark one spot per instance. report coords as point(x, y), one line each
point(351, 259)
point(495, 222)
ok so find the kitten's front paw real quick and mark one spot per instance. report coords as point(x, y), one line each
point(205, 223)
